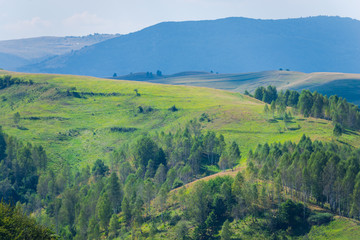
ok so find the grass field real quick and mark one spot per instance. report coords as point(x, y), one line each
point(77, 130)
point(339, 229)
point(342, 84)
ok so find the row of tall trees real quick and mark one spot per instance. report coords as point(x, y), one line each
point(313, 104)
point(312, 171)
point(212, 205)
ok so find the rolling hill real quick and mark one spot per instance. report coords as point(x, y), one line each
point(341, 84)
point(86, 121)
point(314, 44)
point(78, 129)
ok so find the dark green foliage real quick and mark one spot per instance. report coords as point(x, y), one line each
point(104, 211)
point(99, 169)
point(8, 81)
point(267, 95)
point(320, 218)
point(312, 105)
point(305, 103)
point(204, 118)
point(14, 224)
point(313, 170)
point(122, 129)
point(173, 109)
point(16, 117)
point(338, 130)
point(292, 216)
point(259, 93)
point(226, 231)
point(19, 169)
point(2, 145)
point(146, 149)
point(114, 192)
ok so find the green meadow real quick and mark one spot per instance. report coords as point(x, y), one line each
point(73, 116)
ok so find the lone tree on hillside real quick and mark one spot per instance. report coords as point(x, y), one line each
point(136, 92)
point(338, 130)
point(266, 110)
point(273, 108)
point(16, 117)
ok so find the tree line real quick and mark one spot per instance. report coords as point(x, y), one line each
point(7, 81)
point(314, 104)
point(325, 173)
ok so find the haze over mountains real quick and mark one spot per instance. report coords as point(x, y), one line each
point(314, 44)
point(20, 52)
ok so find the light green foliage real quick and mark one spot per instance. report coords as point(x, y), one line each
point(14, 224)
point(339, 229)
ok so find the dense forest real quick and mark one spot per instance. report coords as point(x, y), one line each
point(85, 204)
point(325, 173)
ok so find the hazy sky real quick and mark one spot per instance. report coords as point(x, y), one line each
point(30, 18)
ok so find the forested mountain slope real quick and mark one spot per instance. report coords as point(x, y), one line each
point(95, 158)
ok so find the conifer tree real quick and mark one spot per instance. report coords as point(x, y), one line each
point(226, 231)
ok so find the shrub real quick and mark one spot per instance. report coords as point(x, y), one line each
point(320, 218)
point(173, 108)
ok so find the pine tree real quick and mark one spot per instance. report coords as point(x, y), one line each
point(93, 229)
point(103, 211)
point(210, 223)
point(337, 130)
point(115, 193)
point(226, 231)
point(114, 226)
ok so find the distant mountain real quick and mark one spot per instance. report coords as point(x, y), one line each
point(314, 44)
point(9, 61)
point(33, 50)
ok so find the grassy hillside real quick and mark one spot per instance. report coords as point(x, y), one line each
point(341, 228)
point(342, 84)
point(78, 130)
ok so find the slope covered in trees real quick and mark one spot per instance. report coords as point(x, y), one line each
point(96, 158)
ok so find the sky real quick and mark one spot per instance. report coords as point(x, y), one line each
point(33, 18)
